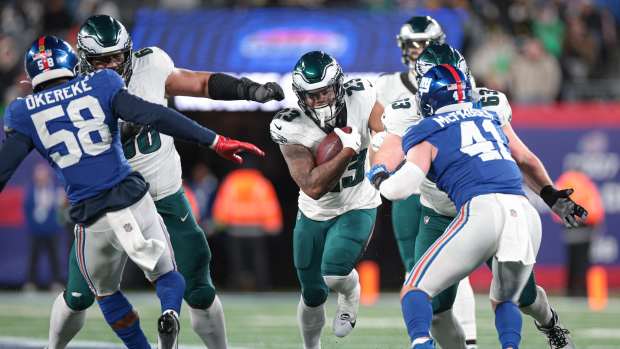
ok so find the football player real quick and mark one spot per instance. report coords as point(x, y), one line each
point(464, 151)
point(396, 92)
point(438, 210)
point(103, 42)
point(73, 123)
point(337, 206)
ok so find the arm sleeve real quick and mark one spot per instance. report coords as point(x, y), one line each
point(12, 152)
point(165, 120)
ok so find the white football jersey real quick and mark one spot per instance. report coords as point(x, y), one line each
point(155, 157)
point(354, 191)
point(395, 86)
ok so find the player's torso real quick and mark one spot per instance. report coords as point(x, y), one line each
point(485, 99)
point(74, 128)
point(151, 153)
point(353, 191)
point(472, 155)
point(395, 86)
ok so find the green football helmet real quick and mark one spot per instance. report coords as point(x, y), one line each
point(103, 39)
point(416, 34)
point(318, 84)
point(436, 54)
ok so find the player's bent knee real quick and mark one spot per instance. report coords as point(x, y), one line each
point(337, 269)
point(314, 296)
point(200, 298)
point(78, 301)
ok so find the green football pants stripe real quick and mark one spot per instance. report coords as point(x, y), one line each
point(330, 247)
point(406, 223)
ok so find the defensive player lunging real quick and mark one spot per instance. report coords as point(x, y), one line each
point(103, 42)
point(337, 206)
point(73, 123)
point(464, 151)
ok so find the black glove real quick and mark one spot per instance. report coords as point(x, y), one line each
point(129, 130)
point(560, 202)
point(262, 93)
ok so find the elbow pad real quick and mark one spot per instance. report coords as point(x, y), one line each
point(403, 183)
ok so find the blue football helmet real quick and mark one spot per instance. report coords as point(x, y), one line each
point(49, 58)
point(442, 85)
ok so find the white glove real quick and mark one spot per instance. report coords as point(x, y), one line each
point(351, 140)
point(377, 140)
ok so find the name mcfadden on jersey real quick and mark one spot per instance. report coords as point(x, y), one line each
point(353, 191)
point(153, 154)
point(399, 116)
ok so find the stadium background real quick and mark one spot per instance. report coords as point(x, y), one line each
point(571, 122)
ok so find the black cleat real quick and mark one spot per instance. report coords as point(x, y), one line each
point(557, 336)
point(168, 328)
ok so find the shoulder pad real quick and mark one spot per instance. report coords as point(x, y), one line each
point(495, 101)
point(153, 57)
point(419, 132)
point(399, 115)
point(286, 126)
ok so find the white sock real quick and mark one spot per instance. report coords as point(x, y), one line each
point(464, 309)
point(65, 323)
point(447, 331)
point(540, 310)
point(348, 286)
point(209, 325)
point(311, 321)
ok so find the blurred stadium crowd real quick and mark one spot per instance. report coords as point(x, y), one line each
point(538, 51)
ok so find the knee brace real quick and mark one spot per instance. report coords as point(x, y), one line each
point(200, 297)
point(78, 301)
point(314, 296)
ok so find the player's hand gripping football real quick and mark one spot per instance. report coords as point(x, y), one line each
point(263, 93)
point(230, 149)
point(351, 140)
point(560, 202)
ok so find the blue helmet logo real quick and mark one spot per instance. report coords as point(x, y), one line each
point(442, 85)
point(49, 58)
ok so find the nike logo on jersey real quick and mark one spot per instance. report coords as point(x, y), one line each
point(427, 219)
point(278, 126)
point(185, 218)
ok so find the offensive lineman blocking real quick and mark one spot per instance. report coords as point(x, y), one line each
point(103, 42)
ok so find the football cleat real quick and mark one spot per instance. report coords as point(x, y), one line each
point(557, 336)
point(168, 329)
point(425, 344)
point(346, 313)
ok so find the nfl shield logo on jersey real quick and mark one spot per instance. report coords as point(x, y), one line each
point(127, 227)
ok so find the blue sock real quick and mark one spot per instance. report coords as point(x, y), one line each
point(418, 314)
point(508, 323)
point(115, 308)
point(170, 288)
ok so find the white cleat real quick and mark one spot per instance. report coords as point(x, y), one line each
point(346, 313)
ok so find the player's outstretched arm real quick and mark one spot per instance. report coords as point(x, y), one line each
point(13, 151)
point(537, 178)
point(183, 82)
point(314, 180)
point(165, 120)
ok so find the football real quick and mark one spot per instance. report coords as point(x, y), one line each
point(330, 146)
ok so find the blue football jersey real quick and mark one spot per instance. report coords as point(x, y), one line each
point(72, 125)
point(472, 154)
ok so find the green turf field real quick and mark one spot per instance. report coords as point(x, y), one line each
point(268, 321)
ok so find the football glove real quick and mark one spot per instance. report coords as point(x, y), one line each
point(351, 140)
point(377, 174)
point(230, 149)
point(129, 130)
point(562, 205)
point(263, 93)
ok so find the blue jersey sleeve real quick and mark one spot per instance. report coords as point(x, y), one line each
point(16, 120)
point(109, 81)
point(418, 133)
